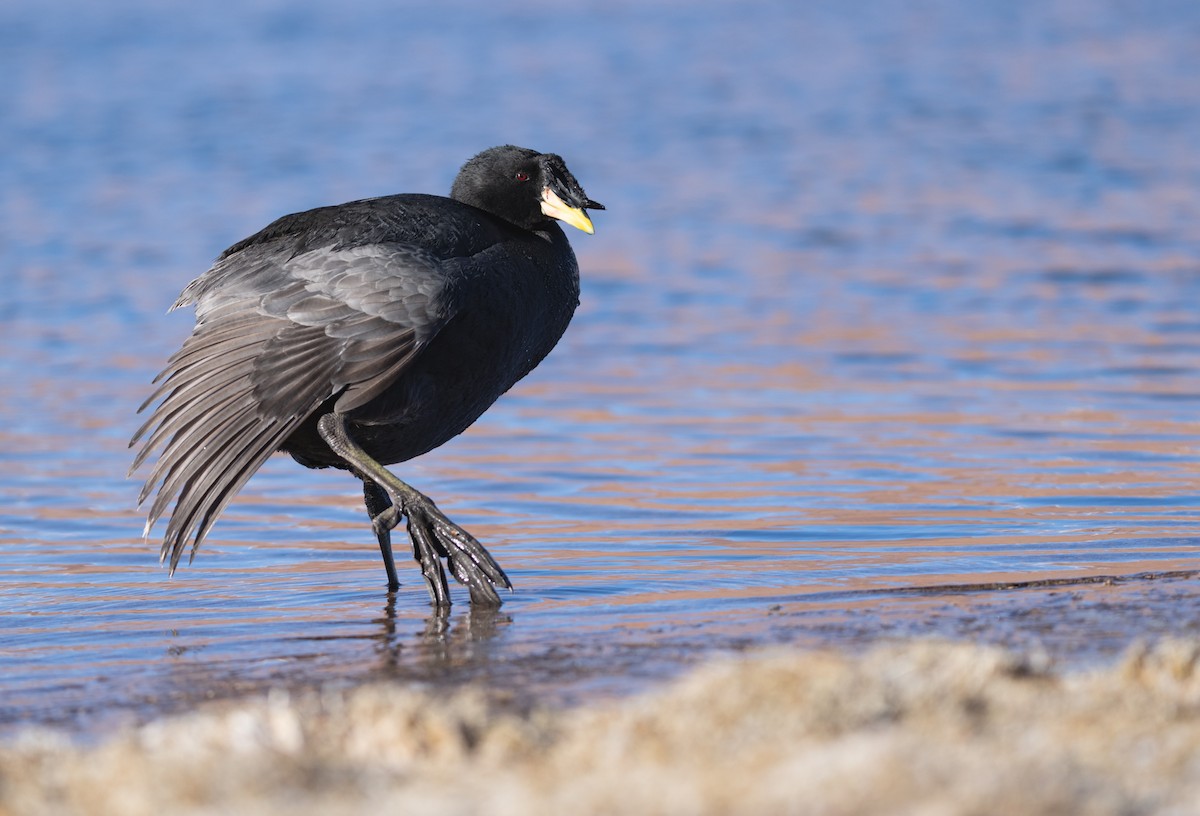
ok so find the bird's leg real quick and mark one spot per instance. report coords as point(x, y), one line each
point(377, 501)
point(433, 535)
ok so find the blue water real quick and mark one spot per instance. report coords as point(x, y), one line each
point(887, 296)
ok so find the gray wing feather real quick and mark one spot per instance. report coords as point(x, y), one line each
point(275, 338)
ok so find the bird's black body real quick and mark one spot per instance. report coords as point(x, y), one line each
point(363, 335)
point(485, 302)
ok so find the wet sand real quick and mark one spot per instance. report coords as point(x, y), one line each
point(917, 727)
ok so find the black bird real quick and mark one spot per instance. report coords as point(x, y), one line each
point(362, 335)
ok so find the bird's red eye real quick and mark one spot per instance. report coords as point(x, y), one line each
point(522, 175)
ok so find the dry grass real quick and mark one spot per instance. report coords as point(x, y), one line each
point(922, 728)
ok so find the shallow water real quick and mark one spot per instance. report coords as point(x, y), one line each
point(884, 299)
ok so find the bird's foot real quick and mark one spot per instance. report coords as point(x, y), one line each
point(435, 537)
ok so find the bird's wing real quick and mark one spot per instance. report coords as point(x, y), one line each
point(275, 338)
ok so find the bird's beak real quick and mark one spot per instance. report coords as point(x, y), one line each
point(555, 207)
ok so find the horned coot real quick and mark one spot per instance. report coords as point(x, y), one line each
point(362, 335)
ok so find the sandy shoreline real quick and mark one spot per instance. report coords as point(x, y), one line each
point(918, 727)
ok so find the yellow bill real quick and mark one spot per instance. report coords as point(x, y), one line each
point(555, 207)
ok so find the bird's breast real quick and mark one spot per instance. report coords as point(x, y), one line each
point(496, 337)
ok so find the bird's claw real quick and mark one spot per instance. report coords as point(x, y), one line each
point(435, 537)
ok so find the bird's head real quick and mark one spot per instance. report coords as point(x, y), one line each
point(525, 187)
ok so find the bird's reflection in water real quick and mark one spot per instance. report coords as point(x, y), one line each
point(450, 645)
